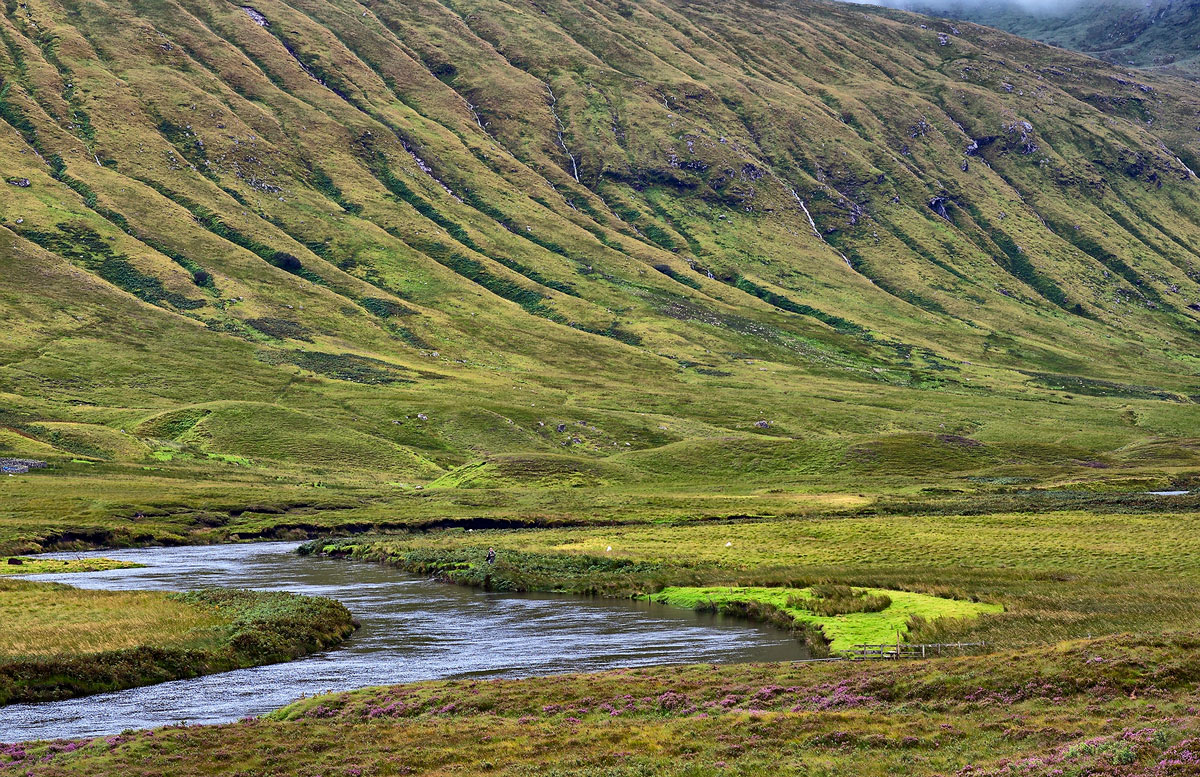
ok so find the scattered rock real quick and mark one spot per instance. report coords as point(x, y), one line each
point(938, 206)
point(20, 466)
point(422, 416)
point(762, 424)
point(1024, 130)
point(22, 183)
point(561, 427)
point(752, 172)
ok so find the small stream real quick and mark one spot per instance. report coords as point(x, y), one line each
point(413, 629)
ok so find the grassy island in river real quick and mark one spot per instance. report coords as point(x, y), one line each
point(60, 641)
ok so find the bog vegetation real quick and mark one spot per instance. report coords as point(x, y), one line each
point(60, 641)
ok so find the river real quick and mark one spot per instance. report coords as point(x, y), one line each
point(413, 628)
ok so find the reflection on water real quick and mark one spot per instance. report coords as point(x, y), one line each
point(412, 629)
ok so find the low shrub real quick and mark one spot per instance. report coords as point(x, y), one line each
point(840, 600)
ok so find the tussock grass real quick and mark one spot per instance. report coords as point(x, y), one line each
point(843, 600)
point(44, 620)
point(40, 566)
point(62, 641)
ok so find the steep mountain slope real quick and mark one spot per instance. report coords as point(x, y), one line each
point(584, 243)
point(1163, 34)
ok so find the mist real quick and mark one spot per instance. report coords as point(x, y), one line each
point(970, 8)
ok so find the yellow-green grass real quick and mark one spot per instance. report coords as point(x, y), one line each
point(60, 641)
point(1038, 335)
point(1069, 542)
point(43, 619)
point(841, 631)
point(42, 566)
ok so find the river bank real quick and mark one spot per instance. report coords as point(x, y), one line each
point(1118, 707)
point(829, 620)
point(413, 628)
point(62, 642)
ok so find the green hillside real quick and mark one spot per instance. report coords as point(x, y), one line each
point(297, 267)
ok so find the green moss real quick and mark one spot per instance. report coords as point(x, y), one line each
point(842, 631)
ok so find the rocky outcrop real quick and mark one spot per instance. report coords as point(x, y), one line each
point(20, 466)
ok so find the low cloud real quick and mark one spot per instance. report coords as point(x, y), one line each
point(973, 8)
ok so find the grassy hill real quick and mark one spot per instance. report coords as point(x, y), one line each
point(297, 267)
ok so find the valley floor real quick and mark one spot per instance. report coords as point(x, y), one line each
point(1090, 616)
point(1112, 706)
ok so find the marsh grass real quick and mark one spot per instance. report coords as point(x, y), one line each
point(1057, 575)
point(61, 641)
point(44, 619)
point(832, 600)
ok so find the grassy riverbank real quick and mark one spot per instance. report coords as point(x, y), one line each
point(60, 641)
point(1114, 706)
point(1057, 575)
point(18, 565)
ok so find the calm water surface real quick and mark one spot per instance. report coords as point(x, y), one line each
point(412, 629)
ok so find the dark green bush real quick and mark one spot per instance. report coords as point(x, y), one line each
point(286, 262)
